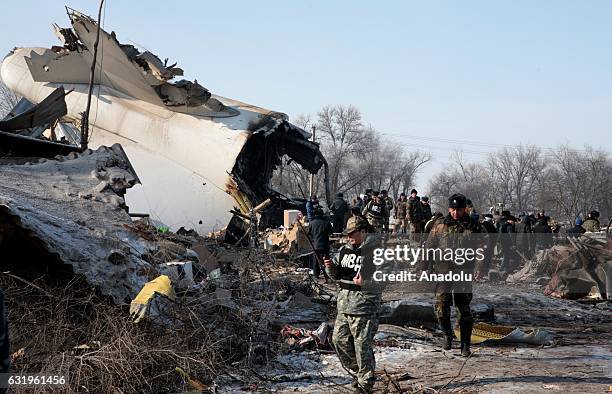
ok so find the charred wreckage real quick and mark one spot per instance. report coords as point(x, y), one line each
point(203, 160)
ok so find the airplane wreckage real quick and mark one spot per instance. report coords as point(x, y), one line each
point(203, 160)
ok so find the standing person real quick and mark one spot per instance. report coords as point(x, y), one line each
point(542, 233)
point(522, 235)
point(506, 239)
point(367, 196)
point(358, 303)
point(374, 212)
point(340, 210)
point(415, 213)
point(530, 223)
point(426, 210)
point(487, 227)
point(401, 214)
point(591, 224)
point(311, 205)
point(319, 230)
point(388, 208)
point(577, 230)
point(453, 231)
point(358, 203)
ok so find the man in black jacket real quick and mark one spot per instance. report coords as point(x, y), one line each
point(577, 230)
point(319, 230)
point(542, 233)
point(340, 210)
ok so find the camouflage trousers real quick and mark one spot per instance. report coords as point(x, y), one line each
point(401, 226)
point(353, 339)
point(377, 224)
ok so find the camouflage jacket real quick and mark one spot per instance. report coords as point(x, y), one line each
point(401, 209)
point(591, 225)
point(447, 233)
point(415, 211)
point(354, 300)
point(389, 205)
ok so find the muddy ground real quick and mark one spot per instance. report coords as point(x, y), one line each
point(580, 361)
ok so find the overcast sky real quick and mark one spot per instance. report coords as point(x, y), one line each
point(493, 72)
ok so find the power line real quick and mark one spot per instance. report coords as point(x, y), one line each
point(462, 141)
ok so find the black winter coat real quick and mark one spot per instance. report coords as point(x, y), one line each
point(319, 230)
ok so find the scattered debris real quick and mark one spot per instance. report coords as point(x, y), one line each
point(484, 333)
point(142, 305)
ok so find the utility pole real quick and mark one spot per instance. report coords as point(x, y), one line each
point(85, 115)
point(312, 177)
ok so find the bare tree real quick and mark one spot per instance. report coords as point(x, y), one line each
point(566, 183)
point(357, 157)
point(515, 171)
point(345, 139)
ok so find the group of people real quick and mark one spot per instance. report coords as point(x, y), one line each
point(409, 213)
point(520, 238)
point(359, 299)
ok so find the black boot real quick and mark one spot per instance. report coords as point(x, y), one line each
point(466, 338)
point(445, 326)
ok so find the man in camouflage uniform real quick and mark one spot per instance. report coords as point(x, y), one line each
point(401, 214)
point(415, 212)
point(452, 231)
point(375, 211)
point(358, 303)
point(591, 225)
point(388, 208)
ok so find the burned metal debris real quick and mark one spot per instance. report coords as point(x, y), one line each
point(21, 130)
point(168, 129)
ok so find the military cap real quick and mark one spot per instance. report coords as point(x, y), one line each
point(425, 199)
point(355, 223)
point(457, 200)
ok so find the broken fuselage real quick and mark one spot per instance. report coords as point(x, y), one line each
point(197, 155)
